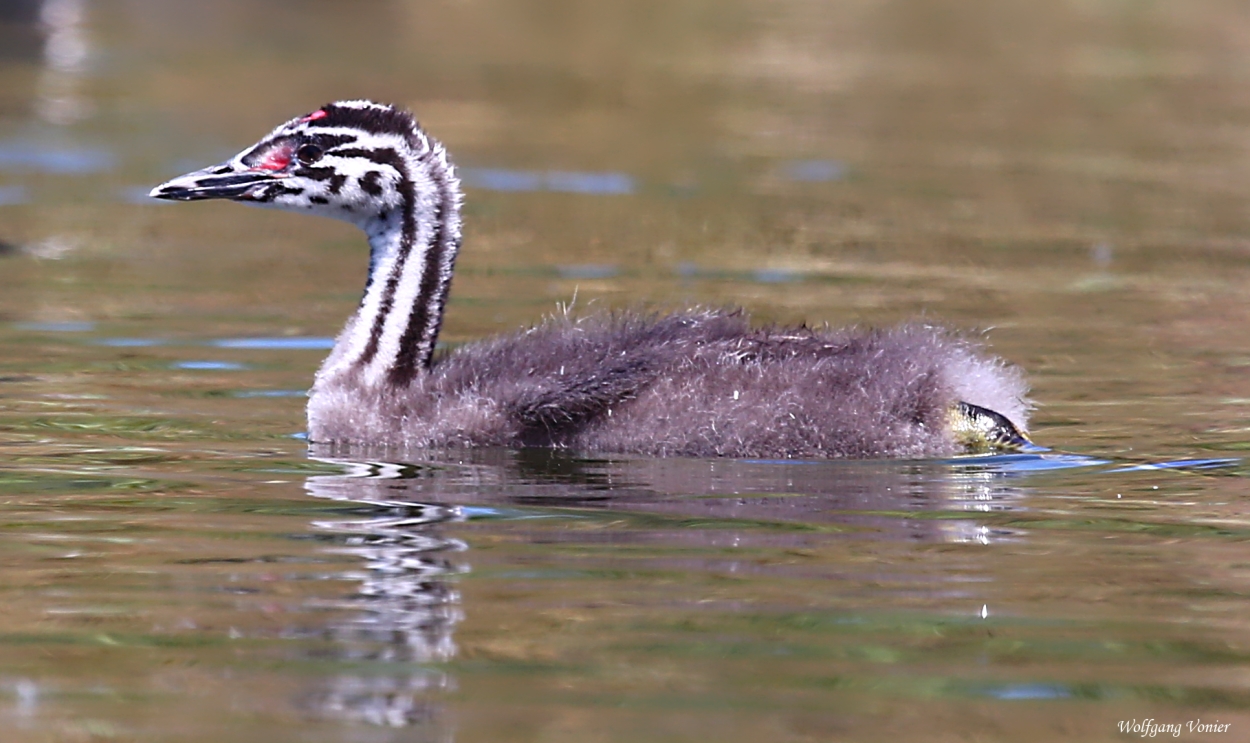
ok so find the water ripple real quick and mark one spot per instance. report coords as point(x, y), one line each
point(24, 155)
point(277, 344)
point(504, 179)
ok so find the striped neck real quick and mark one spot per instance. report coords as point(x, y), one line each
point(413, 244)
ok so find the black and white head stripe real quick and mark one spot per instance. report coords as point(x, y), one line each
point(372, 165)
point(399, 185)
point(365, 116)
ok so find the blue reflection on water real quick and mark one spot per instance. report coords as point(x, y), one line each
point(588, 271)
point(690, 270)
point(504, 179)
point(499, 179)
point(600, 183)
point(1024, 463)
point(208, 365)
point(10, 195)
point(611, 182)
point(1032, 462)
point(23, 154)
point(315, 343)
point(1018, 692)
point(1181, 464)
point(776, 275)
point(277, 344)
point(815, 171)
point(56, 327)
point(129, 342)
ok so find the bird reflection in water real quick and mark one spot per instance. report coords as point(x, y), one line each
point(405, 609)
point(404, 614)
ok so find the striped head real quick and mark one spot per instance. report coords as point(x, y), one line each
point(358, 161)
point(371, 165)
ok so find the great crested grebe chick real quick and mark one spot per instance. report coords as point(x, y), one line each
point(693, 383)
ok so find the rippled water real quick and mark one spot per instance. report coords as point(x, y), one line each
point(1072, 178)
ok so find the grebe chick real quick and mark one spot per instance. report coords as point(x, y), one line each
point(693, 383)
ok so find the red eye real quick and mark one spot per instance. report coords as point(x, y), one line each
point(318, 114)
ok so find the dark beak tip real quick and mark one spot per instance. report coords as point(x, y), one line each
point(205, 185)
point(169, 193)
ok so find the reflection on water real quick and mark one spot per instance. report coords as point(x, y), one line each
point(404, 614)
point(406, 608)
point(816, 170)
point(56, 327)
point(67, 52)
point(500, 179)
point(27, 154)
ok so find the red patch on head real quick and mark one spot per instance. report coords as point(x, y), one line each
point(318, 114)
point(277, 158)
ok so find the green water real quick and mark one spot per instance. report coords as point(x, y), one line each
point(1069, 178)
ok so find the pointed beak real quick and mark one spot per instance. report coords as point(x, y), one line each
point(217, 182)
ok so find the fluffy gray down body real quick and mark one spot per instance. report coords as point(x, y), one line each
point(689, 384)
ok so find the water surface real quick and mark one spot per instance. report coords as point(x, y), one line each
point(1069, 180)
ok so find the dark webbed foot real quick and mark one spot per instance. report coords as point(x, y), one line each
point(980, 430)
